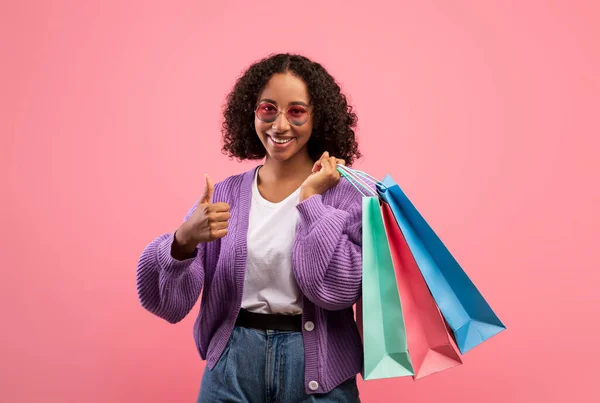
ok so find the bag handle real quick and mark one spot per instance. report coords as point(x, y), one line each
point(356, 180)
point(362, 177)
point(367, 177)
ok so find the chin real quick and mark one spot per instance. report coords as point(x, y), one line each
point(280, 156)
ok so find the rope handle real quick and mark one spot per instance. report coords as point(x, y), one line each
point(360, 177)
point(356, 181)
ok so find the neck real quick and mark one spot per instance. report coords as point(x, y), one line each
point(297, 168)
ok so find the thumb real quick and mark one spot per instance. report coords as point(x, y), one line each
point(208, 191)
point(316, 167)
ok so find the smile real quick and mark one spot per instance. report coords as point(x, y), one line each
point(281, 141)
point(280, 144)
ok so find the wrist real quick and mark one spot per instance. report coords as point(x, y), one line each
point(183, 242)
point(306, 192)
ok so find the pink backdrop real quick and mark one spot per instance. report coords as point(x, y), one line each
point(110, 113)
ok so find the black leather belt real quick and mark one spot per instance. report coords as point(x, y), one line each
point(263, 321)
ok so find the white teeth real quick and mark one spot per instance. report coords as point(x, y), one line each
point(281, 141)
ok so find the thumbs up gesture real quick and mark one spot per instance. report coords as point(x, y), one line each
point(208, 222)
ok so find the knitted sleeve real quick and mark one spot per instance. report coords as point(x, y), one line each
point(167, 287)
point(327, 252)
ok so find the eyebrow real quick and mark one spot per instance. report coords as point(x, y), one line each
point(291, 103)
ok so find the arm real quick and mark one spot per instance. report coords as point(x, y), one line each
point(168, 287)
point(328, 253)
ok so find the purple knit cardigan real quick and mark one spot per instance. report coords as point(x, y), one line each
point(327, 263)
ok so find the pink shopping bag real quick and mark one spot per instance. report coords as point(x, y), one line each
point(429, 344)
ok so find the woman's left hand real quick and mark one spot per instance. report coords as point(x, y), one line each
point(324, 176)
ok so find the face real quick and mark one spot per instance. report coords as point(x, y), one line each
point(283, 118)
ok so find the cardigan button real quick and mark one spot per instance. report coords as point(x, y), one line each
point(309, 326)
point(313, 385)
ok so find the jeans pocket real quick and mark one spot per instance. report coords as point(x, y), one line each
point(221, 365)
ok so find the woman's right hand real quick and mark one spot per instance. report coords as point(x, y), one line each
point(208, 222)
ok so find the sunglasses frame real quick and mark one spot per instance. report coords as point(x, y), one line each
point(279, 111)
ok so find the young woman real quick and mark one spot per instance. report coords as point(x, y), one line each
point(276, 251)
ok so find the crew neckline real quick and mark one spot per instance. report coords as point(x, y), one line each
point(265, 202)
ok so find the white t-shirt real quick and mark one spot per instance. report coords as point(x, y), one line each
point(270, 285)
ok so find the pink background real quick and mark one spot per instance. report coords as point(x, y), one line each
point(486, 113)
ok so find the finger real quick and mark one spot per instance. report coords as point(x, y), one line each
point(208, 190)
point(317, 167)
point(219, 234)
point(334, 167)
point(325, 155)
point(219, 225)
point(341, 162)
point(219, 207)
point(221, 217)
point(326, 163)
point(333, 162)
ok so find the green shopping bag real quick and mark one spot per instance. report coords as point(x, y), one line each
point(380, 316)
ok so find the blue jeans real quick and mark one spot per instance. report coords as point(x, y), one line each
point(265, 366)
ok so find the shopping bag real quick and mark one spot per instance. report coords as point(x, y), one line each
point(466, 311)
point(383, 330)
point(429, 343)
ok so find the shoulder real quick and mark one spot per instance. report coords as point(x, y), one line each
point(345, 196)
point(228, 185)
point(228, 189)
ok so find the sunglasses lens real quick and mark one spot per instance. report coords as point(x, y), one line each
point(297, 115)
point(266, 112)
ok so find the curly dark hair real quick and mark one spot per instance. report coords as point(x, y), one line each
point(334, 120)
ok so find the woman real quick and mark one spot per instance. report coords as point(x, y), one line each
point(275, 250)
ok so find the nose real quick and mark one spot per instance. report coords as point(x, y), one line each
point(281, 124)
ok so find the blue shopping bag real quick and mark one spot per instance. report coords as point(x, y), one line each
point(466, 311)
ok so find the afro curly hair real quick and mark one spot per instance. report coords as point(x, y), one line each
point(334, 120)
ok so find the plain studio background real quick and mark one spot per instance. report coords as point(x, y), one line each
point(485, 112)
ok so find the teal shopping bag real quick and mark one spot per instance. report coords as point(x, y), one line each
point(466, 311)
point(381, 320)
